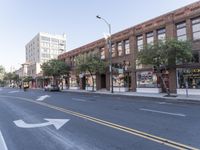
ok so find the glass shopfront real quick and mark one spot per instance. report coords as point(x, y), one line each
point(147, 79)
point(190, 77)
point(118, 80)
point(89, 81)
point(73, 81)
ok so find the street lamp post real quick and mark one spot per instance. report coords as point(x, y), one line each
point(110, 52)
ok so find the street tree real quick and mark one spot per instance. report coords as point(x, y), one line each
point(164, 55)
point(2, 73)
point(91, 64)
point(11, 77)
point(55, 68)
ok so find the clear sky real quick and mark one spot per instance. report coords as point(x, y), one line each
point(21, 20)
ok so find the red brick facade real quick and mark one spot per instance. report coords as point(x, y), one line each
point(167, 21)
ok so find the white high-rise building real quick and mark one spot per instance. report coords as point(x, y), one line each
point(43, 47)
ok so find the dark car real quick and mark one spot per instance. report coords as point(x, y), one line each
point(52, 88)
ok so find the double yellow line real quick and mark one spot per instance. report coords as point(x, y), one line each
point(144, 135)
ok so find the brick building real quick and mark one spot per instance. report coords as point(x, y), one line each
point(183, 23)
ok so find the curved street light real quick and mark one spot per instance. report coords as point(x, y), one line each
point(110, 51)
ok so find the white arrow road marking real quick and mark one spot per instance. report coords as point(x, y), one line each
point(78, 99)
point(41, 98)
point(2, 142)
point(13, 91)
point(164, 103)
point(57, 123)
point(162, 112)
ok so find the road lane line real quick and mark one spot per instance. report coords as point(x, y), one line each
point(2, 142)
point(132, 131)
point(163, 112)
point(164, 103)
point(78, 99)
point(13, 92)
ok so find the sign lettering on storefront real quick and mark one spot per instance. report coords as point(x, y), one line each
point(196, 70)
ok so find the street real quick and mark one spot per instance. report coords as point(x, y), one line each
point(39, 120)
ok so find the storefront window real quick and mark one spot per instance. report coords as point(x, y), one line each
point(118, 80)
point(147, 79)
point(89, 81)
point(73, 82)
point(190, 76)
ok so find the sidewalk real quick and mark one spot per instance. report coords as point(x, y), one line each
point(182, 98)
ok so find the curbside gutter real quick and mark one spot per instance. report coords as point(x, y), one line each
point(173, 98)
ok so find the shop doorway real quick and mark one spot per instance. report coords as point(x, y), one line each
point(83, 82)
point(103, 81)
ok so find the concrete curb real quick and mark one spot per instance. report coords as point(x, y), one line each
point(177, 99)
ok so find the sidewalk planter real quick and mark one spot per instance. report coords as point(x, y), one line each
point(190, 91)
point(89, 88)
point(74, 88)
point(120, 89)
point(148, 90)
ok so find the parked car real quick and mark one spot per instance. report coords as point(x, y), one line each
point(52, 87)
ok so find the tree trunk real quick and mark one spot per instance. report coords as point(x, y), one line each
point(92, 83)
point(165, 86)
point(54, 80)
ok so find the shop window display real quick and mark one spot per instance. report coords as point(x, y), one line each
point(147, 79)
point(118, 80)
point(190, 76)
point(89, 81)
point(73, 82)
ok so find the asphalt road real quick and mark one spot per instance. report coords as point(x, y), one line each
point(94, 122)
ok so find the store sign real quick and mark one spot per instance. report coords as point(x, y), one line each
point(194, 73)
point(195, 70)
point(120, 71)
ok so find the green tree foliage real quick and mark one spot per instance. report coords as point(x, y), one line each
point(2, 73)
point(165, 55)
point(55, 68)
point(11, 77)
point(28, 79)
point(90, 63)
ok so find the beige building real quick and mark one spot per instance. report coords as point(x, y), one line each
point(41, 48)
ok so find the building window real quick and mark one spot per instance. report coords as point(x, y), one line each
point(196, 28)
point(195, 57)
point(140, 42)
point(119, 48)
point(181, 31)
point(103, 53)
point(127, 47)
point(161, 34)
point(43, 38)
point(113, 50)
point(150, 38)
